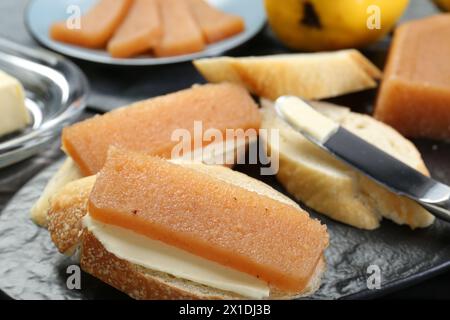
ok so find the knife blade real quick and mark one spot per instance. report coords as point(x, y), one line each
point(371, 161)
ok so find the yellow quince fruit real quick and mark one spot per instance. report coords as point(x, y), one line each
point(315, 25)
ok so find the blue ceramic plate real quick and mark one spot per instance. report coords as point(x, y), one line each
point(40, 15)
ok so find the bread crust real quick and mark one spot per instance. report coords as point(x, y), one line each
point(143, 284)
point(66, 173)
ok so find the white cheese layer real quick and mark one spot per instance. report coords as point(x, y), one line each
point(14, 115)
point(158, 256)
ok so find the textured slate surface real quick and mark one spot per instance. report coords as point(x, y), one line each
point(31, 268)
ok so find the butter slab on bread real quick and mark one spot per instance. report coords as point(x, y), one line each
point(308, 75)
point(70, 205)
point(331, 187)
point(14, 112)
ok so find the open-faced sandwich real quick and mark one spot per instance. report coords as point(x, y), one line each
point(158, 229)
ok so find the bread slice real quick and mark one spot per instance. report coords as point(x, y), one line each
point(308, 75)
point(67, 233)
point(66, 173)
point(67, 208)
point(331, 187)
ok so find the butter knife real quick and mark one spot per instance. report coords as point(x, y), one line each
point(376, 164)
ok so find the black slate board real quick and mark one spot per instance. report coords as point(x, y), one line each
point(31, 267)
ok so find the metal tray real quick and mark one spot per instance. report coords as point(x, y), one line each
point(56, 92)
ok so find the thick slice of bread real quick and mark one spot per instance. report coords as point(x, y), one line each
point(66, 173)
point(331, 187)
point(66, 230)
point(308, 75)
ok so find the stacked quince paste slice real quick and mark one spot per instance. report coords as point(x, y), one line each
point(169, 229)
point(166, 27)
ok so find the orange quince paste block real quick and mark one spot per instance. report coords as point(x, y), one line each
point(414, 97)
point(140, 31)
point(181, 35)
point(218, 221)
point(147, 126)
point(96, 27)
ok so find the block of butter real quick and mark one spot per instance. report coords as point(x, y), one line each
point(14, 115)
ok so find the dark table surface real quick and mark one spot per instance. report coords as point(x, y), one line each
point(151, 81)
